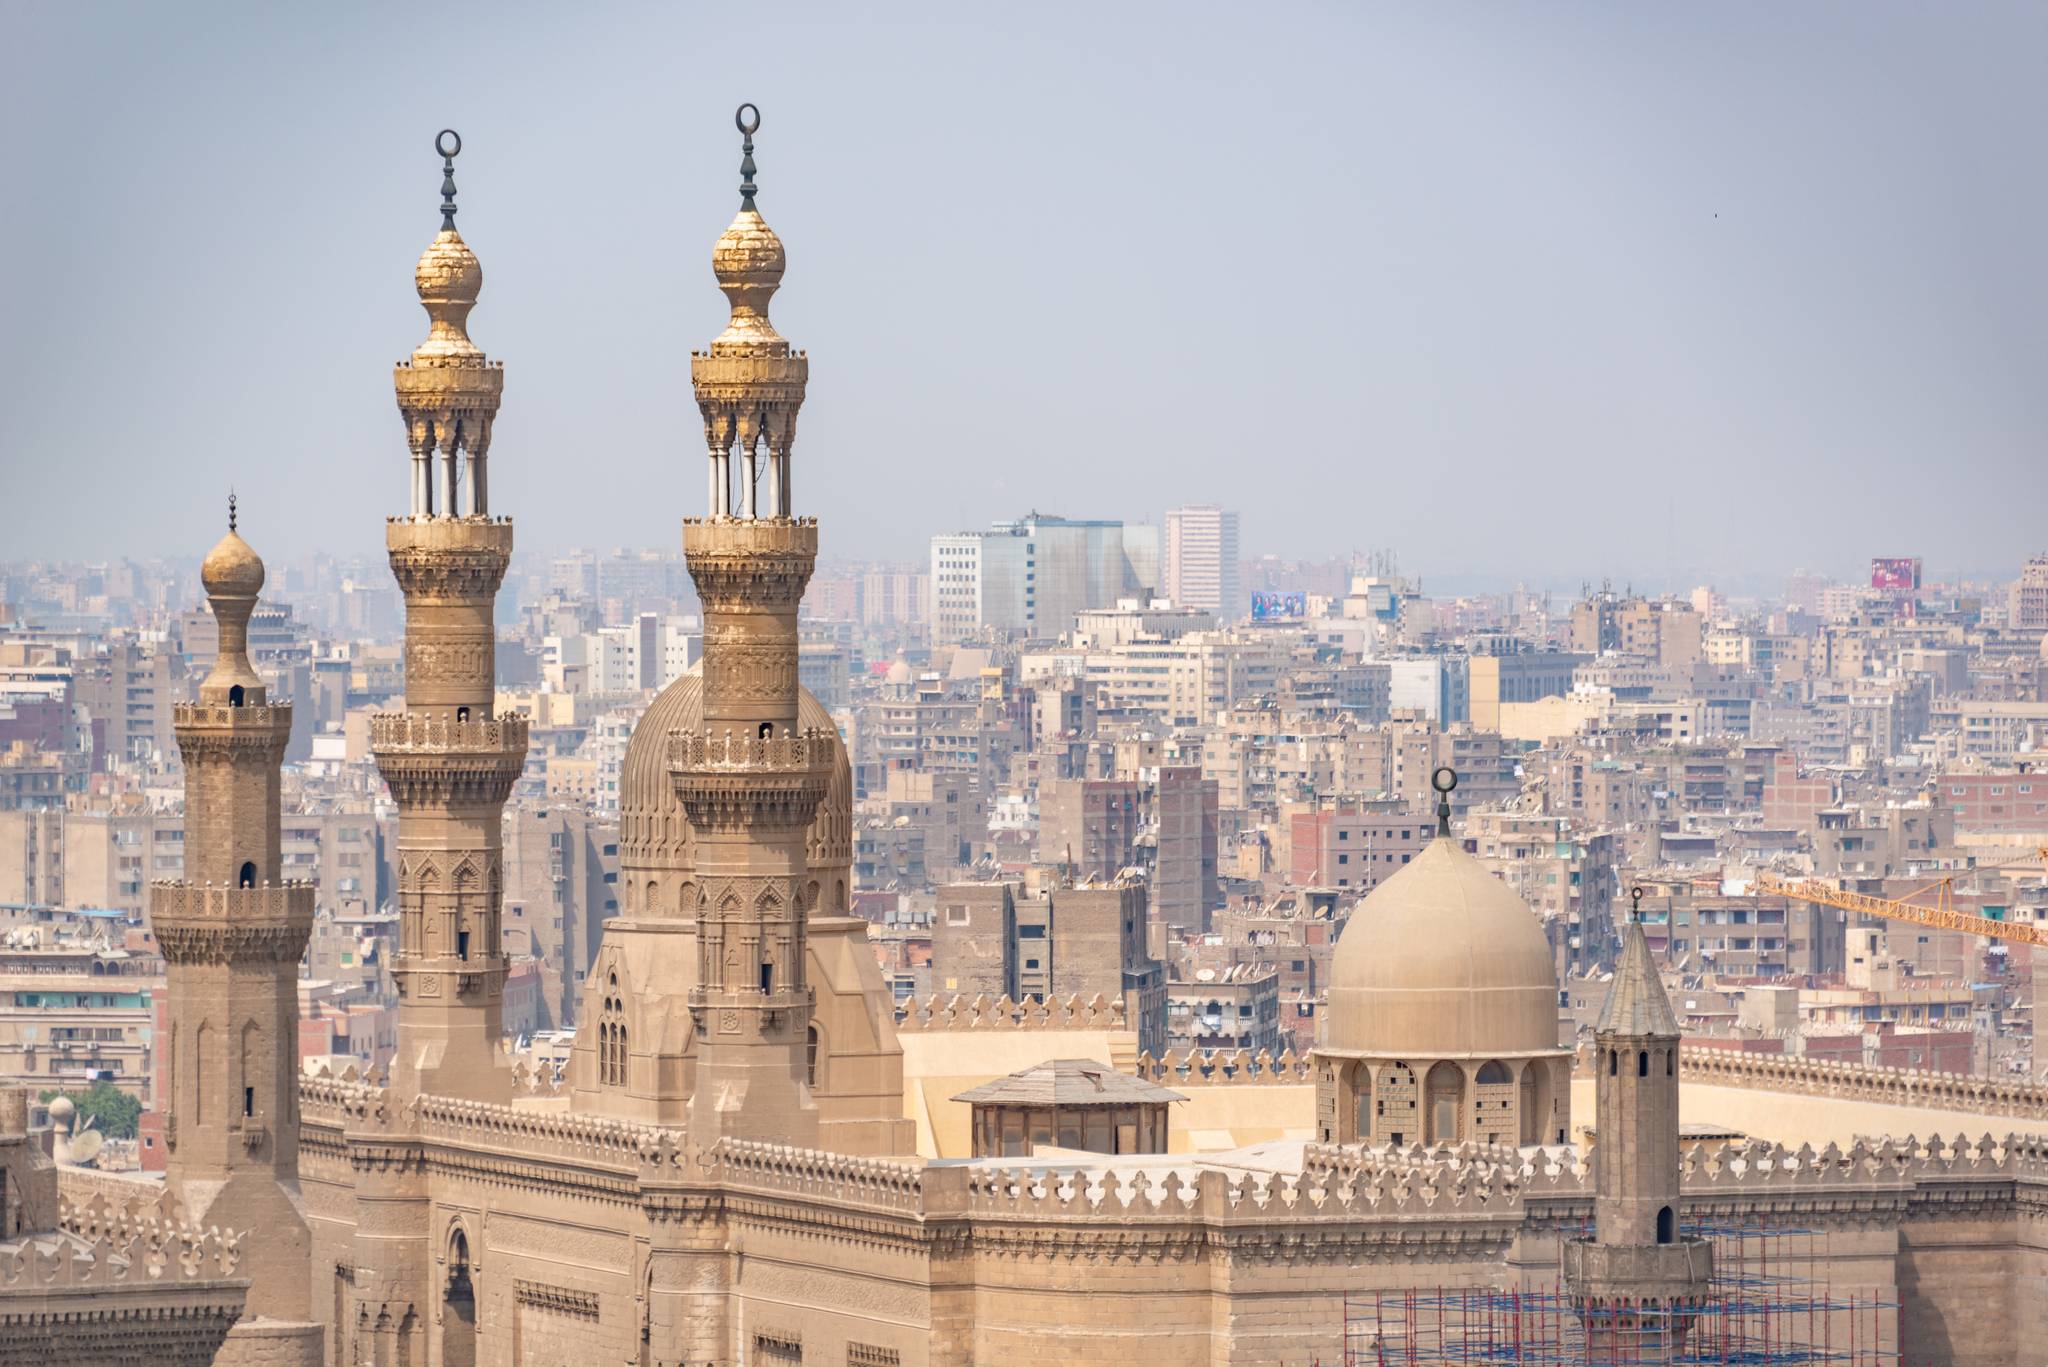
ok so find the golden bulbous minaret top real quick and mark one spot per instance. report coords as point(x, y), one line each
point(448, 391)
point(232, 569)
point(233, 575)
point(749, 383)
point(449, 278)
point(748, 261)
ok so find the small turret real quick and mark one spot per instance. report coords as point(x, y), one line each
point(1638, 1282)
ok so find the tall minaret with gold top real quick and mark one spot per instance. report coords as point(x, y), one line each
point(232, 933)
point(751, 780)
point(449, 760)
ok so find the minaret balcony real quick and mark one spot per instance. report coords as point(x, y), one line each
point(436, 760)
point(730, 752)
point(222, 716)
point(222, 923)
point(460, 559)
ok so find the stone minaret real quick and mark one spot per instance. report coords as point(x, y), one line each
point(751, 780)
point(232, 934)
point(1637, 1283)
point(450, 762)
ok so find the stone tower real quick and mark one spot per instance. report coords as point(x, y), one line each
point(449, 761)
point(1637, 1283)
point(751, 780)
point(232, 934)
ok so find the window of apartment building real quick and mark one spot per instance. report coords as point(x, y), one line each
point(956, 916)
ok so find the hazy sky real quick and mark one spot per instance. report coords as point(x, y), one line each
point(1541, 290)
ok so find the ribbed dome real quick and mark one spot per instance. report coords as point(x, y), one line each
point(232, 569)
point(449, 278)
point(1442, 960)
point(656, 844)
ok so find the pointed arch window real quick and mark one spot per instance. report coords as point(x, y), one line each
point(611, 1044)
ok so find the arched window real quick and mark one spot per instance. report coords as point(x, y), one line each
point(235, 696)
point(767, 729)
point(1494, 1073)
point(461, 714)
point(811, 1056)
point(611, 1044)
point(1613, 1062)
point(1642, 1063)
point(1667, 1226)
point(1671, 1063)
point(247, 877)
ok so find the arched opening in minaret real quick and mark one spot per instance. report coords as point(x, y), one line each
point(1667, 1226)
point(458, 1322)
point(461, 714)
point(1642, 1063)
point(247, 877)
point(767, 730)
point(1671, 1063)
point(811, 1056)
point(235, 696)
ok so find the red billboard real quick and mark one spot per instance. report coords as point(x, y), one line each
point(1897, 574)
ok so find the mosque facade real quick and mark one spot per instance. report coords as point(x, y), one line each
point(728, 1173)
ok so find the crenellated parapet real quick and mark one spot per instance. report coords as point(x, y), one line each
point(214, 923)
point(1710, 1067)
point(1196, 1067)
point(144, 1239)
point(872, 1184)
point(1001, 1013)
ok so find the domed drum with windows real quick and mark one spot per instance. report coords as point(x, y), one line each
point(1442, 1022)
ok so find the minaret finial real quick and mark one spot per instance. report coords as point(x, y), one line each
point(231, 510)
point(1444, 780)
point(1635, 904)
point(748, 120)
point(448, 156)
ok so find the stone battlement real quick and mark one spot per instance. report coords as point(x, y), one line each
point(869, 1183)
point(1706, 1066)
point(980, 1013)
point(1195, 1068)
point(146, 1240)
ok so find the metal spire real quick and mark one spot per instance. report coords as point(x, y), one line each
point(748, 120)
point(1444, 780)
point(231, 510)
point(448, 156)
point(1635, 904)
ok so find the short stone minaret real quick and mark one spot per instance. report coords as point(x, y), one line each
point(750, 782)
point(232, 933)
point(1637, 1283)
point(449, 760)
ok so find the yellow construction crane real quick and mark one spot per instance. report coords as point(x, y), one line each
point(1942, 915)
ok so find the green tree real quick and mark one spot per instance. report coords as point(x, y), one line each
point(113, 1112)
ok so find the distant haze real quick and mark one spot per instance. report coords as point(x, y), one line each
point(1542, 290)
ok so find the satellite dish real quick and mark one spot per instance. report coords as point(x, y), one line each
point(86, 1146)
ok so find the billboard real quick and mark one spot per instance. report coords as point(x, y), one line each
point(1895, 574)
point(1276, 607)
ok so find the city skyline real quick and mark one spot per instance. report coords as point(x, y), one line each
point(1664, 283)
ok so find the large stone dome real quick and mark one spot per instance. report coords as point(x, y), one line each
point(657, 848)
point(1442, 961)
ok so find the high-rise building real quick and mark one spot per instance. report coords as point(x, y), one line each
point(1035, 575)
point(1201, 569)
